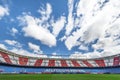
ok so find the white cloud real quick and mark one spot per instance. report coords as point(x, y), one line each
point(3, 11)
point(70, 20)
point(34, 47)
point(95, 54)
point(92, 20)
point(77, 55)
point(54, 55)
point(58, 25)
point(21, 51)
point(3, 46)
point(11, 42)
point(91, 55)
point(71, 41)
point(45, 12)
point(38, 32)
point(14, 31)
point(96, 23)
point(26, 53)
point(83, 47)
point(111, 43)
point(63, 38)
point(37, 28)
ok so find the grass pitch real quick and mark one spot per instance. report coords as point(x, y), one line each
point(59, 76)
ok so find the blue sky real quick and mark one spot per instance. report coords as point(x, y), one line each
point(77, 28)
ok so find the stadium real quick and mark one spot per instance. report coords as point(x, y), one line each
point(19, 64)
point(59, 39)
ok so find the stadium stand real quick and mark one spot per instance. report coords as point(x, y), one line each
point(7, 57)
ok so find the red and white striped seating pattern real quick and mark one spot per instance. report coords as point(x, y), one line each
point(26, 61)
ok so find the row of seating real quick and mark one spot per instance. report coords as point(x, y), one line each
point(50, 62)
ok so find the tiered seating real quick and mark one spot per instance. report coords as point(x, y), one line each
point(50, 62)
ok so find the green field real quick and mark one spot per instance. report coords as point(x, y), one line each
point(59, 77)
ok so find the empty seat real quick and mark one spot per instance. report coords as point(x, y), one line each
point(38, 62)
point(75, 63)
point(116, 61)
point(57, 63)
point(23, 61)
point(51, 63)
point(6, 57)
point(63, 63)
point(100, 63)
point(31, 61)
point(45, 62)
point(87, 63)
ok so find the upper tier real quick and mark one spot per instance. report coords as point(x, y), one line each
point(20, 60)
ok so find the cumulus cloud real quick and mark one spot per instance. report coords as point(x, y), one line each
point(37, 28)
point(96, 54)
point(34, 47)
point(78, 55)
point(3, 11)
point(58, 25)
point(21, 51)
point(38, 32)
point(26, 53)
point(89, 22)
point(14, 31)
point(13, 43)
point(3, 46)
point(45, 12)
point(96, 20)
point(83, 47)
point(54, 55)
point(70, 42)
point(70, 20)
point(100, 20)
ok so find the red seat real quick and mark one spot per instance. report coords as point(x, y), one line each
point(23, 61)
point(100, 63)
point(116, 61)
point(38, 62)
point(87, 63)
point(63, 63)
point(6, 57)
point(51, 63)
point(75, 63)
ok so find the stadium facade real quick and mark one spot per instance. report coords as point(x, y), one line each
point(11, 62)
